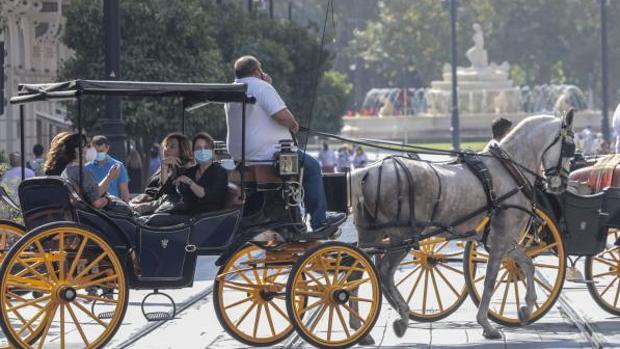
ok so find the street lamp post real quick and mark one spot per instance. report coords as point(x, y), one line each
point(455, 126)
point(604, 66)
point(112, 123)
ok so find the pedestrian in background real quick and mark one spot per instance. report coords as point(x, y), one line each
point(36, 164)
point(344, 159)
point(103, 163)
point(616, 124)
point(360, 160)
point(327, 158)
point(13, 176)
point(134, 171)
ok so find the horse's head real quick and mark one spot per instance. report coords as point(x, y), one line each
point(557, 156)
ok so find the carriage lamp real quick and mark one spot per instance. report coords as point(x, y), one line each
point(287, 161)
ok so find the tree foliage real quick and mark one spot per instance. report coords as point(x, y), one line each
point(195, 41)
point(544, 40)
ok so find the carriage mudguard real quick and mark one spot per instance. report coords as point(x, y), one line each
point(584, 223)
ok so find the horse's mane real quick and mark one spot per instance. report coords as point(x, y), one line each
point(527, 124)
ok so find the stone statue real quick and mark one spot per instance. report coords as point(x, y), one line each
point(477, 55)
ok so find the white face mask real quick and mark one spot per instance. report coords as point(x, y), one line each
point(91, 154)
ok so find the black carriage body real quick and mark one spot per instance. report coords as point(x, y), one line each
point(585, 219)
point(156, 257)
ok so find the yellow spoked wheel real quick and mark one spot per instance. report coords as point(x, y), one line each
point(10, 233)
point(249, 298)
point(604, 272)
point(542, 242)
point(63, 267)
point(431, 280)
point(343, 295)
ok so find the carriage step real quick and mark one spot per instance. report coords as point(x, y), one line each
point(105, 315)
point(158, 316)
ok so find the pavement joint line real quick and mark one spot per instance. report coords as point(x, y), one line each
point(150, 327)
point(585, 327)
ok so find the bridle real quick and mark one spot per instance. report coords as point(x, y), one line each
point(567, 151)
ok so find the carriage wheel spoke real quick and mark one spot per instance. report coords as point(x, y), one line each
point(90, 266)
point(254, 271)
point(61, 248)
point(444, 244)
point(603, 274)
point(408, 275)
point(609, 286)
point(242, 274)
point(354, 313)
point(541, 283)
point(24, 322)
point(97, 282)
point(34, 318)
point(443, 264)
point(415, 285)
point(318, 318)
point(29, 268)
point(247, 312)
point(425, 292)
point(97, 298)
point(342, 322)
point(257, 320)
point(90, 314)
point(348, 274)
point(503, 278)
point(239, 302)
point(604, 261)
point(62, 325)
point(505, 297)
point(325, 273)
point(48, 264)
point(330, 318)
point(355, 283)
point(539, 250)
point(304, 310)
point(270, 320)
point(550, 266)
point(238, 288)
point(76, 259)
point(360, 299)
point(48, 324)
point(281, 312)
point(516, 287)
point(77, 324)
point(28, 303)
point(316, 281)
point(445, 279)
point(337, 269)
point(436, 290)
point(617, 296)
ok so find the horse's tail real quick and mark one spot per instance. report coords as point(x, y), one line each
point(359, 201)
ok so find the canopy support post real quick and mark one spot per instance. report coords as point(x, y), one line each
point(79, 126)
point(242, 169)
point(22, 139)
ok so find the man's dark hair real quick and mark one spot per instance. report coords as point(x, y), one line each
point(37, 150)
point(245, 66)
point(99, 140)
point(500, 127)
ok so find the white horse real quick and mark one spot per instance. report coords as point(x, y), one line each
point(538, 142)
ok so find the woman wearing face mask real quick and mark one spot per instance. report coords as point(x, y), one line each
point(205, 184)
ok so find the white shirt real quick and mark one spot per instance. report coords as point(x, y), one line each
point(262, 131)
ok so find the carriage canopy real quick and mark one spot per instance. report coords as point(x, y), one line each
point(198, 92)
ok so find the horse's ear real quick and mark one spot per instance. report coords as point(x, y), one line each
point(568, 119)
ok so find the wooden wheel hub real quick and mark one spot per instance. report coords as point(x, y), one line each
point(66, 294)
point(340, 296)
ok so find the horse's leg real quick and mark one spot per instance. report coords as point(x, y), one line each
point(496, 254)
point(354, 322)
point(526, 264)
point(387, 267)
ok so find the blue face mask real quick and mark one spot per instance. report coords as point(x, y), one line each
point(100, 156)
point(228, 164)
point(203, 155)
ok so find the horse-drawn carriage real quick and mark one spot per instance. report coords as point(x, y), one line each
point(75, 264)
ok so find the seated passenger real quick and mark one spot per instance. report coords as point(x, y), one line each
point(63, 159)
point(177, 156)
point(204, 185)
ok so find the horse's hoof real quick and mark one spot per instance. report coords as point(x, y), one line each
point(367, 340)
point(399, 328)
point(524, 315)
point(493, 334)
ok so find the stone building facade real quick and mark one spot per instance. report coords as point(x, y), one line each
point(31, 31)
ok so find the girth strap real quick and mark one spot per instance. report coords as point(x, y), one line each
point(480, 170)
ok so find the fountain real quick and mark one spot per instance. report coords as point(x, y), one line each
point(485, 92)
